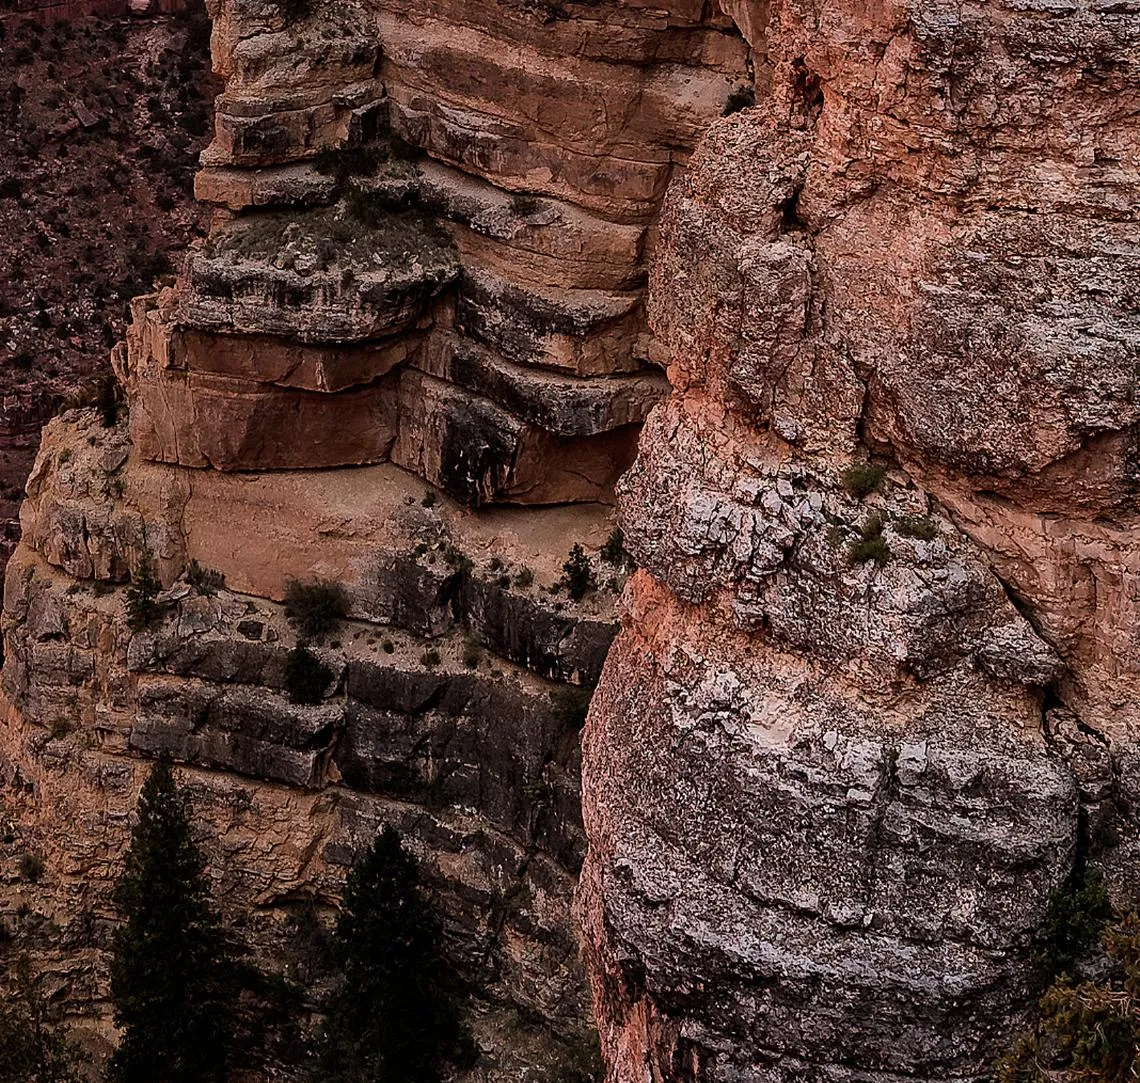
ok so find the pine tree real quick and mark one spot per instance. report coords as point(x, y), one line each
point(141, 594)
point(32, 1049)
point(393, 1016)
point(170, 974)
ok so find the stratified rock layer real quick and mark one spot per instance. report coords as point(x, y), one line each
point(860, 725)
point(447, 713)
point(422, 296)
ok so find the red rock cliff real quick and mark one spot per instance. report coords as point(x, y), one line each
point(856, 730)
point(411, 357)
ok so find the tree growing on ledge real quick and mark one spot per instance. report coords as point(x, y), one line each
point(32, 1048)
point(170, 975)
point(394, 1014)
point(577, 574)
point(142, 607)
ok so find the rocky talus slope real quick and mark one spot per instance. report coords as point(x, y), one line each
point(857, 730)
point(101, 124)
point(411, 357)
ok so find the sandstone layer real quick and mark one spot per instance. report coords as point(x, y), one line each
point(411, 357)
point(443, 715)
point(873, 699)
point(858, 730)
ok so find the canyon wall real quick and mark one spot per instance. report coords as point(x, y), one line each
point(101, 125)
point(875, 693)
point(872, 700)
point(411, 357)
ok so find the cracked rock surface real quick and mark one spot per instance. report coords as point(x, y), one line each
point(861, 720)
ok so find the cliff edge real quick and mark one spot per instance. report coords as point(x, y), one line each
point(875, 696)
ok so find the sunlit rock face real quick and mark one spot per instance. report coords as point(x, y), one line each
point(848, 743)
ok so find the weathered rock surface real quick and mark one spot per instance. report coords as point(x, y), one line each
point(859, 725)
point(829, 778)
point(447, 713)
point(423, 292)
point(499, 177)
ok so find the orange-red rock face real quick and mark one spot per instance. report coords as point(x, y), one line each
point(490, 221)
point(847, 746)
point(851, 738)
point(426, 272)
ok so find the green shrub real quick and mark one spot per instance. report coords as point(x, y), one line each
point(614, 551)
point(472, 653)
point(870, 545)
point(375, 208)
point(142, 609)
point(32, 1046)
point(306, 676)
point(916, 526)
point(1078, 913)
point(524, 204)
point(430, 658)
point(577, 574)
point(363, 159)
point(31, 868)
point(345, 162)
point(315, 608)
point(524, 579)
point(862, 478)
point(204, 580)
point(1087, 1032)
point(457, 559)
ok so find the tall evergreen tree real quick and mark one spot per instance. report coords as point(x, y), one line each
point(394, 1015)
point(170, 974)
point(32, 1047)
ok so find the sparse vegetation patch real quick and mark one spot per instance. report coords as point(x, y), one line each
point(204, 580)
point(141, 595)
point(862, 478)
point(870, 545)
point(315, 608)
point(577, 574)
point(916, 526)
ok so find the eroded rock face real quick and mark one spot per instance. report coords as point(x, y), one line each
point(857, 727)
point(411, 357)
point(830, 782)
point(456, 694)
point(465, 196)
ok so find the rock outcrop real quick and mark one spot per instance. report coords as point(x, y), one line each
point(875, 692)
point(411, 357)
point(874, 696)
